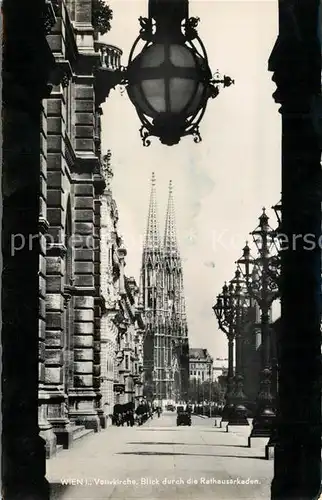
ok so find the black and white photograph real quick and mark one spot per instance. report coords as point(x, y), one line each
point(161, 239)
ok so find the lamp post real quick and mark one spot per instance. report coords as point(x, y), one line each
point(169, 81)
point(239, 414)
point(210, 390)
point(263, 289)
point(156, 384)
point(223, 311)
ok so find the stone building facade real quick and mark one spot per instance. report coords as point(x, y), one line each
point(200, 364)
point(80, 262)
point(122, 323)
point(128, 371)
point(109, 288)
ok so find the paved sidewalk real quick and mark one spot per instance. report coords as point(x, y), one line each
point(160, 460)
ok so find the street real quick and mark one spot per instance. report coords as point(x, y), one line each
point(161, 460)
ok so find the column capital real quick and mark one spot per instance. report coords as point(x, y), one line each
point(296, 67)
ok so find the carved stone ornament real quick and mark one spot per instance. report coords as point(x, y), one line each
point(49, 17)
point(112, 296)
point(60, 74)
point(107, 169)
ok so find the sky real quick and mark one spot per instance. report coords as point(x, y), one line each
point(221, 184)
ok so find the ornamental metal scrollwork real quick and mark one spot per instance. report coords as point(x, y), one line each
point(146, 30)
point(144, 133)
point(191, 28)
point(217, 80)
point(196, 135)
point(214, 90)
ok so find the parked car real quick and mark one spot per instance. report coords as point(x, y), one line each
point(183, 416)
point(170, 407)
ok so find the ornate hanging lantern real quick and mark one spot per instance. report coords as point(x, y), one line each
point(169, 81)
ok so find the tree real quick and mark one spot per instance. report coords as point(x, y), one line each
point(200, 391)
point(102, 15)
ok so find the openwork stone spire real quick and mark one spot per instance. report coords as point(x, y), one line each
point(170, 234)
point(152, 237)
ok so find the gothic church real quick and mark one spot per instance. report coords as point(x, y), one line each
point(166, 347)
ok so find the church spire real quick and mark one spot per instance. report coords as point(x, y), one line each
point(170, 233)
point(152, 236)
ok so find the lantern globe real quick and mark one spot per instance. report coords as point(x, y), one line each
point(168, 85)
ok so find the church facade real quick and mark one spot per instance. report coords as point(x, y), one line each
point(166, 346)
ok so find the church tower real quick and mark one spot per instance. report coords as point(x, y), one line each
point(166, 351)
point(175, 310)
point(151, 291)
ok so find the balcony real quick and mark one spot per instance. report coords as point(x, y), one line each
point(109, 71)
point(110, 56)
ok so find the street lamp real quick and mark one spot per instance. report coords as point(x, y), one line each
point(155, 379)
point(169, 81)
point(278, 212)
point(223, 311)
point(262, 286)
point(239, 415)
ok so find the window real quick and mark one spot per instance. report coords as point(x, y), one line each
point(150, 302)
point(69, 113)
point(126, 362)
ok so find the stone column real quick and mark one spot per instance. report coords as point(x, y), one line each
point(98, 302)
point(46, 428)
point(83, 11)
point(23, 450)
point(82, 396)
point(58, 183)
point(83, 26)
point(296, 62)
